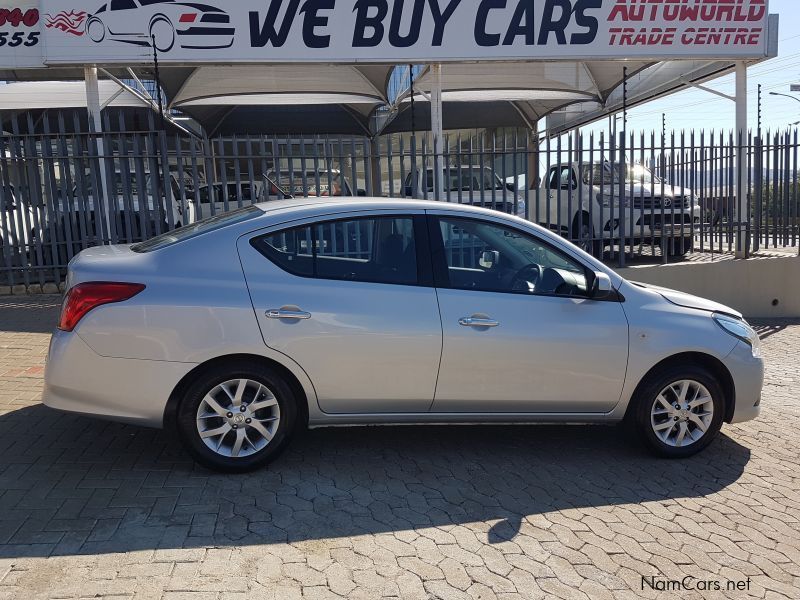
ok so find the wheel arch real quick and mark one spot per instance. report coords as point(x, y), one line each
point(711, 363)
point(171, 409)
point(580, 214)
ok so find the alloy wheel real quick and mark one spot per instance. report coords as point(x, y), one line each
point(238, 418)
point(682, 413)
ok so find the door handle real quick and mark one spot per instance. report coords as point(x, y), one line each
point(477, 322)
point(282, 313)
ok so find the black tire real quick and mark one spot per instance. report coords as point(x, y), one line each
point(581, 227)
point(646, 398)
point(679, 246)
point(187, 416)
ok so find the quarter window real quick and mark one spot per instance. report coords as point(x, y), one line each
point(488, 257)
point(375, 250)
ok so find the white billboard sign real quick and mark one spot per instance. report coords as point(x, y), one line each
point(20, 34)
point(396, 31)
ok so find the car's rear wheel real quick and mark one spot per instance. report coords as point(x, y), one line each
point(678, 411)
point(237, 417)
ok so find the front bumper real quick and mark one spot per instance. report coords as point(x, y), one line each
point(646, 225)
point(748, 380)
point(79, 380)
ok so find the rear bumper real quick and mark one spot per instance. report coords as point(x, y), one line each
point(748, 380)
point(79, 380)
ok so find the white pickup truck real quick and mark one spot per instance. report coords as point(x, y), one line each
point(582, 203)
point(467, 184)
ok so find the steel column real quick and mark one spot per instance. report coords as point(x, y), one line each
point(94, 109)
point(741, 214)
point(437, 129)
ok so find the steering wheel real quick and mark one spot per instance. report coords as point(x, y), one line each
point(527, 278)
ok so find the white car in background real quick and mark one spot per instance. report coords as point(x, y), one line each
point(581, 201)
point(72, 220)
point(311, 183)
point(467, 184)
point(218, 198)
point(17, 226)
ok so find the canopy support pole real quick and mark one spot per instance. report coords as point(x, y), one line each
point(437, 129)
point(95, 109)
point(740, 210)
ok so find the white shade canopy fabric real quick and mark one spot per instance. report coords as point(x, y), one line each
point(270, 85)
point(43, 95)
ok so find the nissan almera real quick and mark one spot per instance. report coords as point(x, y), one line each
point(238, 330)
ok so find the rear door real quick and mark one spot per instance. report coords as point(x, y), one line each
point(351, 301)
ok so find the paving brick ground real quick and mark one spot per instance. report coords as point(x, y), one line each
point(91, 509)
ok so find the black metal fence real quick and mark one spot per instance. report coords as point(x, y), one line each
point(620, 197)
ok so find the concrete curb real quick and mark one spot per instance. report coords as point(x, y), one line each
point(34, 289)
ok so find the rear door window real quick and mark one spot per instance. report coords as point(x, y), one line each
point(375, 250)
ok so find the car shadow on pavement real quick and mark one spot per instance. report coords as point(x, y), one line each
point(71, 485)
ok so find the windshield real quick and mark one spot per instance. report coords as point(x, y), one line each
point(600, 174)
point(201, 227)
point(465, 179)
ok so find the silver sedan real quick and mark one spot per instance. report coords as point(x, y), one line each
point(239, 329)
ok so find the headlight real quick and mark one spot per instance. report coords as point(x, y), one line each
point(606, 201)
point(740, 330)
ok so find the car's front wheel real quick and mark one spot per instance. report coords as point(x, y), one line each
point(162, 32)
point(237, 417)
point(678, 411)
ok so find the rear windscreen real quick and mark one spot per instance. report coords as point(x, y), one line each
point(201, 227)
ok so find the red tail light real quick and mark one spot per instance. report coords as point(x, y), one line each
point(87, 296)
point(188, 17)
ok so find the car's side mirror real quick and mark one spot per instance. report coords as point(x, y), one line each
point(489, 259)
point(601, 286)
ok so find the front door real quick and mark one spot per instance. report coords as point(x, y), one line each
point(351, 302)
point(520, 333)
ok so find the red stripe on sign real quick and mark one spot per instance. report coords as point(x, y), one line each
point(188, 17)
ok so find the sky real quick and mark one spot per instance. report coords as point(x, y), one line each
point(696, 109)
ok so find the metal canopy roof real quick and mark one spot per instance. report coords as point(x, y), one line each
point(569, 95)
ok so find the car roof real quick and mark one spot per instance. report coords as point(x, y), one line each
point(327, 205)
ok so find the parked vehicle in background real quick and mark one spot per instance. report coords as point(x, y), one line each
point(325, 312)
point(74, 220)
point(582, 203)
point(520, 183)
point(218, 198)
point(467, 184)
point(17, 224)
point(309, 184)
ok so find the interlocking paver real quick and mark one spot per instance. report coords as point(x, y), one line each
point(91, 508)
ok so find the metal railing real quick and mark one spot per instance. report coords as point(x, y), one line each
point(619, 197)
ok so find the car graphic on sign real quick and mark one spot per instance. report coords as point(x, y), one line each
point(189, 24)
